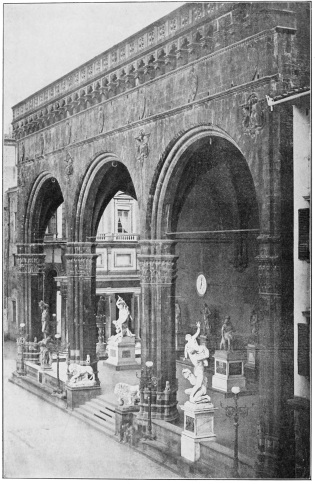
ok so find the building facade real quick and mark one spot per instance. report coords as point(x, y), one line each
point(175, 117)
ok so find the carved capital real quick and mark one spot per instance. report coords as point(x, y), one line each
point(269, 275)
point(157, 270)
point(30, 263)
point(81, 260)
point(64, 289)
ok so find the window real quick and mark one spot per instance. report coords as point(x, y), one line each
point(304, 234)
point(303, 350)
point(123, 221)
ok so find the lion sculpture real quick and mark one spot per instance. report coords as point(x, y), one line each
point(127, 394)
point(81, 374)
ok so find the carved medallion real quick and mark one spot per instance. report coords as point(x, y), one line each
point(253, 115)
point(101, 119)
point(193, 85)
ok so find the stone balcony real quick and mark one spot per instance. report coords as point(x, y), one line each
point(187, 34)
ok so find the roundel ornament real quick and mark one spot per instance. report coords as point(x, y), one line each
point(201, 285)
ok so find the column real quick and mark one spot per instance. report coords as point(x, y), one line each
point(64, 295)
point(81, 268)
point(157, 275)
point(30, 261)
point(274, 346)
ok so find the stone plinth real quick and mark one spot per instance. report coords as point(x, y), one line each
point(251, 357)
point(121, 354)
point(198, 427)
point(228, 370)
point(77, 395)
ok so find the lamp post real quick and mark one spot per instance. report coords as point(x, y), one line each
point(58, 336)
point(235, 411)
point(147, 380)
point(21, 342)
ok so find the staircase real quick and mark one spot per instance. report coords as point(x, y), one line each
point(98, 413)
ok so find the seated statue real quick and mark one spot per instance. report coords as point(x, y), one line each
point(227, 334)
point(122, 322)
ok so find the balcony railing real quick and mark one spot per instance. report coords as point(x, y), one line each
point(118, 237)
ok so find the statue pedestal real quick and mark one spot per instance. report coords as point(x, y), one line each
point(78, 395)
point(198, 426)
point(121, 354)
point(229, 370)
point(101, 350)
point(179, 342)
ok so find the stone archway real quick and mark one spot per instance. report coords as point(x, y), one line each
point(44, 198)
point(201, 150)
point(105, 176)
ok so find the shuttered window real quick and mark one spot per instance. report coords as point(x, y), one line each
point(303, 350)
point(304, 234)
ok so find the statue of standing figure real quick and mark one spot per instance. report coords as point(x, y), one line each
point(178, 317)
point(206, 319)
point(123, 320)
point(45, 318)
point(227, 334)
point(198, 355)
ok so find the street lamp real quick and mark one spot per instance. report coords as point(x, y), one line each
point(147, 381)
point(236, 412)
point(21, 343)
point(57, 337)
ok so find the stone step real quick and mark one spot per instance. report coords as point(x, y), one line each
point(102, 421)
point(101, 411)
point(163, 454)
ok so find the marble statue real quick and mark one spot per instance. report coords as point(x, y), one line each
point(227, 332)
point(45, 357)
point(206, 313)
point(198, 355)
point(178, 317)
point(45, 318)
point(127, 394)
point(101, 308)
point(121, 323)
point(81, 375)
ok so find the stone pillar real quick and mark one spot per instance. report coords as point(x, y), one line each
point(30, 265)
point(64, 295)
point(137, 317)
point(109, 316)
point(81, 269)
point(157, 273)
point(274, 363)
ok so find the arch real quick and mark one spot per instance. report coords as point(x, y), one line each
point(105, 176)
point(44, 199)
point(172, 161)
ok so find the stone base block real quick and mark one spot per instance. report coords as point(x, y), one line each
point(229, 370)
point(121, 354)
point(190, 448)
point(79, 395)
point(199, 420)
point(226, 385)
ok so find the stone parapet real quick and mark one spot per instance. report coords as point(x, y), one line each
point(190, 32)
